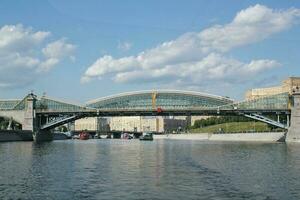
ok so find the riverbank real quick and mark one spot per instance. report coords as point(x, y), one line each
point(242, 137)
point(12, 135)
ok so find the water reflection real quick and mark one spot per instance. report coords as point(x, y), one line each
point(163, 169)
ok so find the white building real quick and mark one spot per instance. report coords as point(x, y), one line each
point(287, 86)
point(151, 123)
point(92, 124)
point(134, 124)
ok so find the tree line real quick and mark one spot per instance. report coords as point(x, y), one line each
point(219, 120)
point(226, 119)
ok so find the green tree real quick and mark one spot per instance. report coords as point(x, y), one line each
point(62, 129)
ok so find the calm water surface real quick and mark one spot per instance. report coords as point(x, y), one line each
point(162, 169)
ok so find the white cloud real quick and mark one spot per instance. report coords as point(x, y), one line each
point(194, 58)
point(17, 38)
point(107, 64)
point(250, 25)
point(47, 65)
point(124, 46)
point(59, 49)
point(24, 53)
point(210, 68)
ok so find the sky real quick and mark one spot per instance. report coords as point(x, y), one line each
point(82, 50)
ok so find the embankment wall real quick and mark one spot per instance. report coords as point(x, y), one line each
point(251, 137)
point(13, 135)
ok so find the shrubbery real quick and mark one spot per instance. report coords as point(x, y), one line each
point(226, 119)
point(219, 120)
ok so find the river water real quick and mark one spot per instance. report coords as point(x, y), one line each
point(162, 169)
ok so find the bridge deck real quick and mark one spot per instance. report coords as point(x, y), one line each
point(168, 102)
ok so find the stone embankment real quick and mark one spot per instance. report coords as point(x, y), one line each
point(242, 137)
point(13, 135)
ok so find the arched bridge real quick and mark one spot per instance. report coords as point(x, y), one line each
point(165, 99)
point(45, 113)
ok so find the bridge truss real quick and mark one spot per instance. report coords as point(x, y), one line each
point(51, 113)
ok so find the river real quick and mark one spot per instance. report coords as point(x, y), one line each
point(162, 169)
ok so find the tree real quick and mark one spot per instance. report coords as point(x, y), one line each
point(220, 120)
point(62, 129)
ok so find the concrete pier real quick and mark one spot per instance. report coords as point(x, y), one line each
point(293, 134)
point(42, 136)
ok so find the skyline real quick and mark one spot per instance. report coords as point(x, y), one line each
point(82, 51)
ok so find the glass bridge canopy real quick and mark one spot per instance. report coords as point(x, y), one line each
point(164, 99)
point(281, 101)
point(8, 104)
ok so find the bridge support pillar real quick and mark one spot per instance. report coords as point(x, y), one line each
point(29, 114)
point(293, 134)
point(42, 136)
point(30, 121)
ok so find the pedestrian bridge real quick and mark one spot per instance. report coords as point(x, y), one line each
point(46, 113)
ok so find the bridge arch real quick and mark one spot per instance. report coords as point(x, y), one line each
point(165, 99)
point(16, 116)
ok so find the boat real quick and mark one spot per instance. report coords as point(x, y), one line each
point(147, 136)
point(68, 134)
point(84, 136)
point(75, 137)
point(127, 136)
point(60, 136)
point(97, 136)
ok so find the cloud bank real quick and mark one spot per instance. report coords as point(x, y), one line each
point(195, 58)
point(26, 54)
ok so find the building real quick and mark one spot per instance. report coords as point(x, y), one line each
point(133, 124)
point(287, 86)
point(148, 123)
point(152, 123)
point(125, 123)
point(195, 118)
point(92, 124)
point(174, 125)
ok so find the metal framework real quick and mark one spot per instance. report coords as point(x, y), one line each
point(8, 104)
point(266, 120)
point(280, 101)
point(164, 99)
point(154, 102)
point(53, 105)
point(59, 121)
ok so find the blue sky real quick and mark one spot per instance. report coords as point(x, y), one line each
point(80, 50)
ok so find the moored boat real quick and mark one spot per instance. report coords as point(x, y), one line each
point(84, 136)
point(127, 136)
point(147, 136)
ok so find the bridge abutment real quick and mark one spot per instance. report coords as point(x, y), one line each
point(293, 134)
